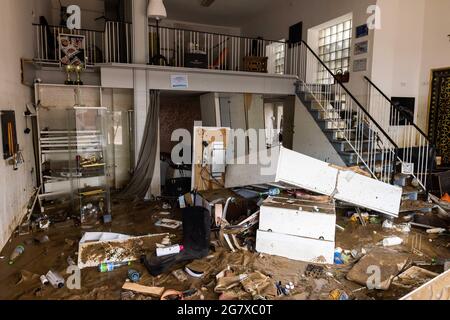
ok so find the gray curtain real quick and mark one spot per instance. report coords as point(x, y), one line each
point(143, 174)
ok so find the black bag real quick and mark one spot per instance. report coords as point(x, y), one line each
point(196, 241)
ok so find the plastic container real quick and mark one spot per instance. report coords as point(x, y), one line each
point(134, 275)
point(111, 266)
point(16, 253)
point(166, 251)
point(392, 241)
point(55, 279)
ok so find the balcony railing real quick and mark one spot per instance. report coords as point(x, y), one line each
point(111, 45)
point(188, 48)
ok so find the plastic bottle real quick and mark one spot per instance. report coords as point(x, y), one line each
point(111, 266)
point(134, 275)
point(160, 252)
point(392, 241)
point(272, 192)
point(16, 253)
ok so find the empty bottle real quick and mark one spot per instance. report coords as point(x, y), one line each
point(272, 192)
point(134, 275)
point(16, 253)
point(111, 266)
point(392, 241)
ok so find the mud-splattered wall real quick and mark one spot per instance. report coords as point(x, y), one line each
point(177, 112)
point(16, 187)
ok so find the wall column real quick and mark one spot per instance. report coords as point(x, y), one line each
point(141, 90)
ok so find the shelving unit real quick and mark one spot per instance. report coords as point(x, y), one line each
point(72, 147)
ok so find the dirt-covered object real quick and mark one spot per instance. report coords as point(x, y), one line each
point(93, 254)
point(378, 268)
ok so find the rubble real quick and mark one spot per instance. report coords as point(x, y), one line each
point(387, 262)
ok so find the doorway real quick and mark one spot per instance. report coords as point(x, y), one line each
point(439, 120)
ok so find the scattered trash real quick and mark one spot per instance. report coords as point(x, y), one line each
point(55, 279)
point(69, 242)
point(227, 283)
point(180, 275)
point(42, 240)
point(167, 251)
point(338, 295)
point(388, 224)
point(18, 251)
point(414, 277)
point(392, 241)
point(338, 256)
point(44, 224)
point(314, 271)
point(436, 231)
point(70, 261)
point(168, 223)
point(107, 218)
point(166, 206)
point(44, 280)
point(111, 266)
point(134, 275)
point(172, 295)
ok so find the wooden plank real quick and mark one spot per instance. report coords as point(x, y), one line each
point(151, 291)
point(436, 289)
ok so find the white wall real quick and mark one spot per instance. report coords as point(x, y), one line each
point(435, 52)
point(275, 23)
point(309, 138)
point(412, 41)
point(16, 187)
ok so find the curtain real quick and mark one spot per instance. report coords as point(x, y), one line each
point(143, 173)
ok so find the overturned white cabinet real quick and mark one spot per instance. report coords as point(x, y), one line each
point(297, 229)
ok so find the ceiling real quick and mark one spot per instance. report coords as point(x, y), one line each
point(231, 13)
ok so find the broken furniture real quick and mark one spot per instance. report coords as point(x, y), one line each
point(72, 145)
point(317, 176)
point(96, 248)
point(297, 229)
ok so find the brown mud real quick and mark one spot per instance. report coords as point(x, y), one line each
point(21, 280)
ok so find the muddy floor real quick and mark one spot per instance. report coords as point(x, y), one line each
point(21, 280)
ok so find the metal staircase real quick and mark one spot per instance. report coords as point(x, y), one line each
point(354, 133)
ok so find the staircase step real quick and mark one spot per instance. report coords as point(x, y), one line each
point(343, 145)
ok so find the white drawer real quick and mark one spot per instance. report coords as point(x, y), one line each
point(295, 248)
point(300, 219)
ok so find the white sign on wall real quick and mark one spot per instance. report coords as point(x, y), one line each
point(179, 82)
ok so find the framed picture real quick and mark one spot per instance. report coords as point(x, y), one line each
point(361, 48)
point(72, 50)
point(9, 134)
point(360, 65)
point(362, 31)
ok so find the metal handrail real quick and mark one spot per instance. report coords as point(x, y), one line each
point(351, 96)
point(219, 34)
point(396, 107)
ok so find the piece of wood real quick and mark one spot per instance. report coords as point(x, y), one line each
point(151, 291)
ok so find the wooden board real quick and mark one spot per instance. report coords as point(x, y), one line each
point(151, 291)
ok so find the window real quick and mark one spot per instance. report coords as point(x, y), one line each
point(275, 52)
point(334, 49)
